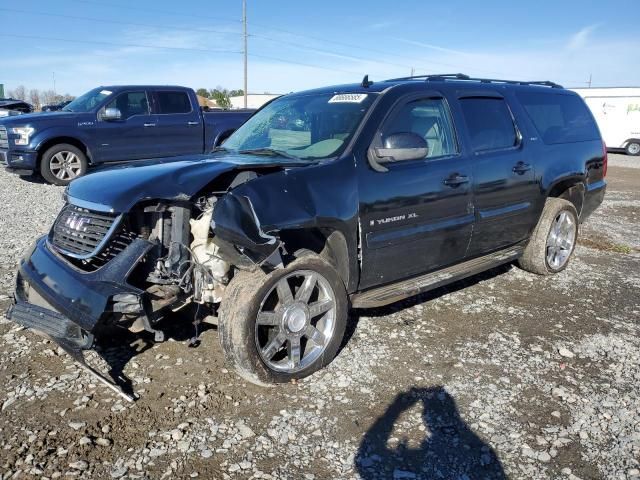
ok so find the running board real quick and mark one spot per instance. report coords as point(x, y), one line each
point(381, 296)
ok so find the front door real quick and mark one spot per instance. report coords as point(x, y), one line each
point(132, 137)
point(505, 189)
point(418, 215)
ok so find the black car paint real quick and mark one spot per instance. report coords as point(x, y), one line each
point(433, 225)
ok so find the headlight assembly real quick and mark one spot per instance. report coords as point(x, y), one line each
point(23, 135)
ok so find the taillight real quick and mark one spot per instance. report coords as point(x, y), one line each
point(605, 160)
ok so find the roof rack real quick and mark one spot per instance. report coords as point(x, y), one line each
point(441, 77)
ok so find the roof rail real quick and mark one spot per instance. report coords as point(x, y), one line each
point(461, 76)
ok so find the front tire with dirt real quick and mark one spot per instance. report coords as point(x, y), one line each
point(284, 325)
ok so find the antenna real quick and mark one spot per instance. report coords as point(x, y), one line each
point(365, 82)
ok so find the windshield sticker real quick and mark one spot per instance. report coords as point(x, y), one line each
point(348, 98)
point(105, 92)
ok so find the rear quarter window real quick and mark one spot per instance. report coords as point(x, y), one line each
point(559, 118)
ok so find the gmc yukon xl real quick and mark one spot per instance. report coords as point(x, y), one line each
point(349, 196)
point(113, 124)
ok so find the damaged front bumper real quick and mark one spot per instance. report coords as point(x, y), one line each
point(68, 305)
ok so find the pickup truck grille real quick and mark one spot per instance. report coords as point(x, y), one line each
point(4, 138)
point(80, 233)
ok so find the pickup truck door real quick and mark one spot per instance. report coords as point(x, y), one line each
point(418, 215)
point(506, 194)
point(132, 137)
point(180, 126)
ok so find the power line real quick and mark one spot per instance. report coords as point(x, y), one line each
point(203, 30)
point(159, 47)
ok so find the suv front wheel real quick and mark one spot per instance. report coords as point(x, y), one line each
point(553, 240)
point(284, 325)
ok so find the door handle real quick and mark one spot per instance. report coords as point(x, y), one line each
point(521, 168)
point(149, 124)
point(193, 123)
point(455, 180)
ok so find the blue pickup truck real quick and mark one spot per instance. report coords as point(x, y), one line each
point(113, 124)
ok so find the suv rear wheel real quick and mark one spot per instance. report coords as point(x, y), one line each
point(283, 325)
point(553, 240)
point(62, 163)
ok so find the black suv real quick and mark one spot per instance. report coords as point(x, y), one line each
point(349, 196)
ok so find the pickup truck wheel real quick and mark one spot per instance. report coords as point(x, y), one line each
point(284, 325)
point(62, 163)
point(633, 148)
point(553, 240)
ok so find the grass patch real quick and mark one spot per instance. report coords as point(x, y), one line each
point(607, 246)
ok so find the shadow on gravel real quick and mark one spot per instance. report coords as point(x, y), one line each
point(117, 350)
point(449, 449)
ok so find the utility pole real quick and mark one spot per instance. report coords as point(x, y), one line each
point(413, 71)
point(54, 84)
point(589, 80)
point(244, 27)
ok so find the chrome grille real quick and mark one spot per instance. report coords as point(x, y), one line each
point(81, 233)
point(4, 138)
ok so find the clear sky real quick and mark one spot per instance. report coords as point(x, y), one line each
point(298, 44)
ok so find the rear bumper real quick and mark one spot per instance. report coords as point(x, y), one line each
point(75, 297)
point(593, 197)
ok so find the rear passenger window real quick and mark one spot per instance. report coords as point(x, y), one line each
point(173, 102)
point(559, 118)
point(489, 123)
point(430, 119)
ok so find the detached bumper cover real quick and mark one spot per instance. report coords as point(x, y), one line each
point(81, 297)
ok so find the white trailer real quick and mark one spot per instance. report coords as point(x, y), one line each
point(617, 111)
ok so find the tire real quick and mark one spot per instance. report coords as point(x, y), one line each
point(633, 148)
point(545, 241)
point(245, 339)
point(62, 163)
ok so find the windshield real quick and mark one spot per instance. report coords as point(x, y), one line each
point(302, 126)
point(88, 101)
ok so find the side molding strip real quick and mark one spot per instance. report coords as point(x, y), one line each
point(387, 294)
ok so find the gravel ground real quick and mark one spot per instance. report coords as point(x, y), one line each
point(504, 375)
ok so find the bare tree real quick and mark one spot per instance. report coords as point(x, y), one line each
point(34, 98)
point(19, 93)
point(48, 97)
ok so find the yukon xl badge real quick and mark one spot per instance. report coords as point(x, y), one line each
point(85, 124)
point(382, 221)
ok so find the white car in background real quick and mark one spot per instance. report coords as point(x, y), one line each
point(617, 112)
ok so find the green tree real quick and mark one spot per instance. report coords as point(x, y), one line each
point(203, 92)
point(221, 97)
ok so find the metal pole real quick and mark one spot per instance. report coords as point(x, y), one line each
point(54, 85)
point(244, 26)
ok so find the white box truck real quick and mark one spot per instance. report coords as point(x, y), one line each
point(617, 111)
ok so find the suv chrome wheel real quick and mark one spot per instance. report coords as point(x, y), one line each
point(296, 321)
point(65, 165)
point(561, 240)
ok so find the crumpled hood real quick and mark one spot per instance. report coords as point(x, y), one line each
point(119, 188)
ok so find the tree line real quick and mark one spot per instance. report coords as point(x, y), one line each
point(37, 98)
point(220, 95)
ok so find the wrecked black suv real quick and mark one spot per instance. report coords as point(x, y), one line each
point(350, 196)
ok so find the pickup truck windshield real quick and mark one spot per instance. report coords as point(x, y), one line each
point(86, 102)
point(302, 126)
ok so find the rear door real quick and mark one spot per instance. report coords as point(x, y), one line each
point(133, 136)
point(504, 185)
point(180, 127)
point(418, 215)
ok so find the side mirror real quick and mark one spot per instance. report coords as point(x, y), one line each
point(111, 115)
point(402, 146)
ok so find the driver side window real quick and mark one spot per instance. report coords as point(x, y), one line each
point(429, 118)
point(130, 104)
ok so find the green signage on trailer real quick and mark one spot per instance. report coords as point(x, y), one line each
point(1, 90)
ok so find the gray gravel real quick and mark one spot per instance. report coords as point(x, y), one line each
point(505, 375)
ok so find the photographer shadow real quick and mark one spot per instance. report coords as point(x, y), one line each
point(449, 450)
